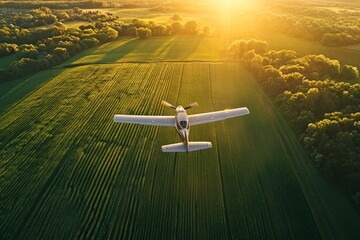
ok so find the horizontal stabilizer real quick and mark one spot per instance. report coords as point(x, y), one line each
point(180, 147)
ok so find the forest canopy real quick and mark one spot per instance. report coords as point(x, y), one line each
point(314, 94)
point(39, 38)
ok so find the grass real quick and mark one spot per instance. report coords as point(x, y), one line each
point(66, 164)
point(154, 49)
point(13, 91)
point(67, 171)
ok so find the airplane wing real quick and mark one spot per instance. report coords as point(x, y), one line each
point(146, 120)
point(217, 116)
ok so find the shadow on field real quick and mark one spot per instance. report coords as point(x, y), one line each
point(156, 48)
point(13, 91)
point(120, 51)
point(183, 47)
point(138, 50)
point(133, 50)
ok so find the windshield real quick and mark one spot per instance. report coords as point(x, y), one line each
point(183, 124)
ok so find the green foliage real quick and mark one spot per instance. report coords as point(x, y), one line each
point(319, 67)
point(324, 111)
point(110, 33)
point(337, 39)
point(328, 27)
point(132, 31)
point(39, 44)
point(27, 50)
point(23, 67)
point(278, 58)
point(56, 4)
point(138, 23)
point(90, 42)
point(239, 48)
point(159, 30)
point(350, 72)
point(41, 48)
point(143, 33)
point(337, 138)
point(8, 49)
point(191, 27)
point(45, 16)
point(177, 27)
point(61, 54)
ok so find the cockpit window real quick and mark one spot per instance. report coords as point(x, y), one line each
point(183, 124)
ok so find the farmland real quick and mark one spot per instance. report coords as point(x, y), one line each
point(68, 171)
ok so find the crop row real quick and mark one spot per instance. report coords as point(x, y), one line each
point(68, 171)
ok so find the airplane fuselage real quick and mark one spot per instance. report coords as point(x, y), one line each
point(182, 126)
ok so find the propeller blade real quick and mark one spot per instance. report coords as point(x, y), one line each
point(194, 104)
point(166, 104)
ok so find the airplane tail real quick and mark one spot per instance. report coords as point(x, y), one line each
point(180, 147)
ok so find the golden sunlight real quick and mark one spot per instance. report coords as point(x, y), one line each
point(232, 3)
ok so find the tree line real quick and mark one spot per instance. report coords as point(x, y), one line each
point(57, 4)
point(44, 16)
point(315, 95)
point(39, 48)
point(325, 26)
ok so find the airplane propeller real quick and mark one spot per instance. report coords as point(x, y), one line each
point(194, 104)
point(169, 105)
point(166, 104)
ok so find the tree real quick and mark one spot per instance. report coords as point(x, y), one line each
point(280, 58)
point(293, 80)
point(111, 33)
point(177, 27)
point(138, 23)
point(323, 67)
point(61, 54)
point(144, 33)
point(23, 66)
point(240, 47)
point(132, 31)
point(87, 26)
point(313, 96)
point(159, 30)
point(90, 42)
point(63, 16)
point(176, 17)
point(292, 68)
point(27, 51)
point(303, 120)
point(61, 26)
point(70, 47)
point(8, 49)
point(102, 37)
point(350, 72)
point(191, 27)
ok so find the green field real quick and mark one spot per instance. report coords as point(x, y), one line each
point(68, 171)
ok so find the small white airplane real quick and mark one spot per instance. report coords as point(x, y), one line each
point(181, 121)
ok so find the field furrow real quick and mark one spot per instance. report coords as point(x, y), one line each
point(67, 171)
